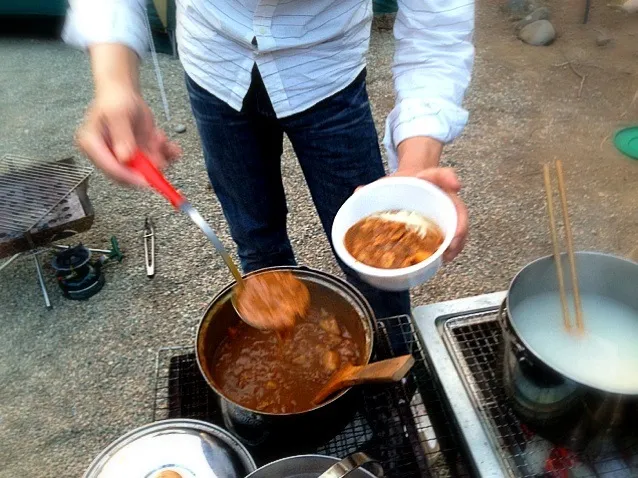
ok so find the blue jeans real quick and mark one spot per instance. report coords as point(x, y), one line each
point(338, 150)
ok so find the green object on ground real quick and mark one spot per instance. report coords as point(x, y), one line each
point(626, 141)
point(116, 253)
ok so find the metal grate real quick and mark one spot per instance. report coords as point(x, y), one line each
point(31, 189)
point(406, 426)
point(476, 344)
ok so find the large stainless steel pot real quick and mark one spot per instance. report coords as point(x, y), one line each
point(295, 429)
point(543, 395)
point(320, 466)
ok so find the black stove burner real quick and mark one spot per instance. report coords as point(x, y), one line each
point(78, 278)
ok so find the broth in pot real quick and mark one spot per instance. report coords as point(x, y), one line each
point(262, 371)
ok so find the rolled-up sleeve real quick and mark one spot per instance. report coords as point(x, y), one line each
point(432, 68)
point(107, 21)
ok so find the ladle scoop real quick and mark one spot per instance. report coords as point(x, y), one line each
point(140, 163)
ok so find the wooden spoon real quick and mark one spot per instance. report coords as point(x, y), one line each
point(384, 371)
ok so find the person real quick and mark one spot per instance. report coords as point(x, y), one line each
point(259, 69)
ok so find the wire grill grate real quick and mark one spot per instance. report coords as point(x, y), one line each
point(31, 189)
point(405, 426)
point(476, 344)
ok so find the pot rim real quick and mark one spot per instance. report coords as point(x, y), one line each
point(529, 349)
point(355, 292)
point(333, 459)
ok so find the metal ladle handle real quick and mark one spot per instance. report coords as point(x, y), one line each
point(352, 463)
point(141, 163)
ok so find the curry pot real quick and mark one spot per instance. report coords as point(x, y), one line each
point(544, 397)
point(295, 430)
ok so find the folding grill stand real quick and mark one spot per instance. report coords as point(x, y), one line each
point(30, 190)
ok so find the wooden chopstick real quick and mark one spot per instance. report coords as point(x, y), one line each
point(557, 260)
point(569, 244)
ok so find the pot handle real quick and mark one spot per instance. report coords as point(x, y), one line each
point(350, 464)
point(501, 314)
point(168, 474)
point(518, 349)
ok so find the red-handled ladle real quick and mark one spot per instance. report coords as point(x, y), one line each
point(154, 177)
point(140, 163)
point(262, 318)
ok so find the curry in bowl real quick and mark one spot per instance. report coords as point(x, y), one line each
point(393, 239)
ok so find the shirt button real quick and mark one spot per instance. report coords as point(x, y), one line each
point(261, 31)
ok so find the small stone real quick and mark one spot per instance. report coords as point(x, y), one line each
point(603, 38)
point(630, 6)
point(538, 33)
point(179, 128)
point(538, 14)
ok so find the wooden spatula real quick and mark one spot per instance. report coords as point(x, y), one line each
point(384, 371)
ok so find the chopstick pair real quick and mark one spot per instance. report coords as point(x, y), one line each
point(568, 244)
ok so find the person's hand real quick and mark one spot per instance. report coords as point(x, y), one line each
point(116, 124)
point(419, 157)
point(119, 121)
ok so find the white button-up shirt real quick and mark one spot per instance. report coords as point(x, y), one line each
point(307, 50)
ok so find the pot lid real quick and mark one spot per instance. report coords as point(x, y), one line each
point(177, 448)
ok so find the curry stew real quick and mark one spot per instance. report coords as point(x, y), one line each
point(261, 371)
point(393, 239)
point(273, 300)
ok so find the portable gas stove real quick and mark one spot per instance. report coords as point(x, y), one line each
point(462, 341)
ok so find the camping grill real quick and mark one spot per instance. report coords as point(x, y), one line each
point(406, 425)
point(39, 201)
point(463, 341)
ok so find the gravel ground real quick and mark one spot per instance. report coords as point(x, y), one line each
point(75, 377)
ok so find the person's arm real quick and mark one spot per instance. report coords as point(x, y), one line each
point(432, 68)
point(114, 33)
point(92, 22)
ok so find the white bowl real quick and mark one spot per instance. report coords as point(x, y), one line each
point(406, 193)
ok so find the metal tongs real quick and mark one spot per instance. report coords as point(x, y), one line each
point(142, 164)
point(149, 247)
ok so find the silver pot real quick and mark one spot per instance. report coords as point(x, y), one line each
point(254, 427)
point(320, 466)
point(545, 395)
point(177, 448)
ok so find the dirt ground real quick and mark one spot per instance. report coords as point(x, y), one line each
point(536, 108)
point(76, 377)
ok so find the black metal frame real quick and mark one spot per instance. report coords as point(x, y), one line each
point(479, 345)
